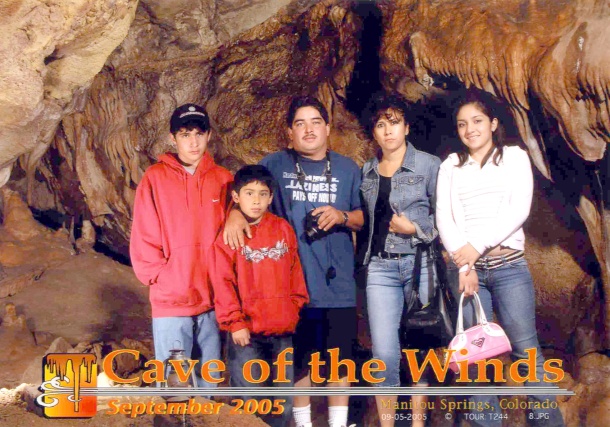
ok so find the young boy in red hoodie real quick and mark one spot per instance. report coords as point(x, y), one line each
point(179, 209)
point(259, 289)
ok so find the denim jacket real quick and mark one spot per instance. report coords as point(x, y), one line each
point(412, 193)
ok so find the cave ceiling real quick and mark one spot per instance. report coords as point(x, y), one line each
point(551, 52)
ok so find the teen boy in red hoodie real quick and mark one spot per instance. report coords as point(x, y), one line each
point(178, 211)
point(259, 289)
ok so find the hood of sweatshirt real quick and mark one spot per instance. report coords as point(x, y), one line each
point(171, 159)
point(205, 164)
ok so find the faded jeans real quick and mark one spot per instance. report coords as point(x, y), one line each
point(197, 335)
point(267, 349)
point(388, 287)
point(508, 291)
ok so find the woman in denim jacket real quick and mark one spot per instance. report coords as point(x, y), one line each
point(398, 190)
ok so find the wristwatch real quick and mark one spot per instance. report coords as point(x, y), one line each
point(345, 217)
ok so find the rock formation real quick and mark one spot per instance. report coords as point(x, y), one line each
point(547, 60)
point(87, 87)
point(99, 152)
point(51, 51)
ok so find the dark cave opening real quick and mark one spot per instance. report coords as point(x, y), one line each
point(366, 78)
point(432, 128)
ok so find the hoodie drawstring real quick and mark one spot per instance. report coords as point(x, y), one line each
point(199, 188)
point(186, 191)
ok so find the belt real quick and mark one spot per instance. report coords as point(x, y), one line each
point(388, 255)
point(491, 262)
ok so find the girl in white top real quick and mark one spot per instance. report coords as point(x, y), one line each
point(483, 197)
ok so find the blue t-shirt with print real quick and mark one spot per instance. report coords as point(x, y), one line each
point(336, 249)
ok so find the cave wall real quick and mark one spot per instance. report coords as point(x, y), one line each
point(552, 51)
point(547, 60)
point(50, 52)
point(99, 153)
point(85, 99)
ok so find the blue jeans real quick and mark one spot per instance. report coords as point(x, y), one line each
point(267, 349)
point(197, 335)
point(388, 287)
point(508, 291)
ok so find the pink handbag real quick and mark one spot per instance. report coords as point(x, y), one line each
point(482, 341)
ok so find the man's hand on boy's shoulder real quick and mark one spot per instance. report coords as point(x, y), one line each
point(241, 337)
point(235, 228)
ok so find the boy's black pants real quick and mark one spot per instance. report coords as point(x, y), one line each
point(266, 348)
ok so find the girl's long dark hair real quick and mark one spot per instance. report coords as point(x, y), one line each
point(488, 106)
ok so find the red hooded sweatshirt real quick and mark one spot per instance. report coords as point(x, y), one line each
point(176, 219)
point(260, 286)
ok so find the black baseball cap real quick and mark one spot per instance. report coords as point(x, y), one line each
point(189, 114)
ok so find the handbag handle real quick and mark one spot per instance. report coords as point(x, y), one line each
point(416, 273)
point(480, 314)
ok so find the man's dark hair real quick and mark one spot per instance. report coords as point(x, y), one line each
point(305, 101)
point(378, 106)
point(253, 173)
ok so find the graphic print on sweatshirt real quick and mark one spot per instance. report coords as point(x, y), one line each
point(257, 255)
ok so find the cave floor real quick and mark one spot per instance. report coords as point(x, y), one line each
point(90, 297)
point(84, 298)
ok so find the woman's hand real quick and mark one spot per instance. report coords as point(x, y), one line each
point(467, 254)
point(469, 283)
point(241, 337)
point(235, 228)
point(401, 224)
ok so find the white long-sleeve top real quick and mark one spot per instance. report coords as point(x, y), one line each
point(484, 206)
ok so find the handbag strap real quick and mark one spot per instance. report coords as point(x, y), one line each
point(438, 265)
point(416, 273)
point(480, 314)
point(417, 270)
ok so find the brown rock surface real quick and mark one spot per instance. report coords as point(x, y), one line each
point(52, 293)
point(18, 220)
point(547, 60)
point(21, 238)
point(589, 405)
point(594, 368)
point(18, 346)
point(33, 373)
point(50, 52)
point(174, 53)
point(245, 58)
point(563, 267)
point(101, 151)
point(514, 50)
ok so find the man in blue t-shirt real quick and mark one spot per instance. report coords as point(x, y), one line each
point(319, 194)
